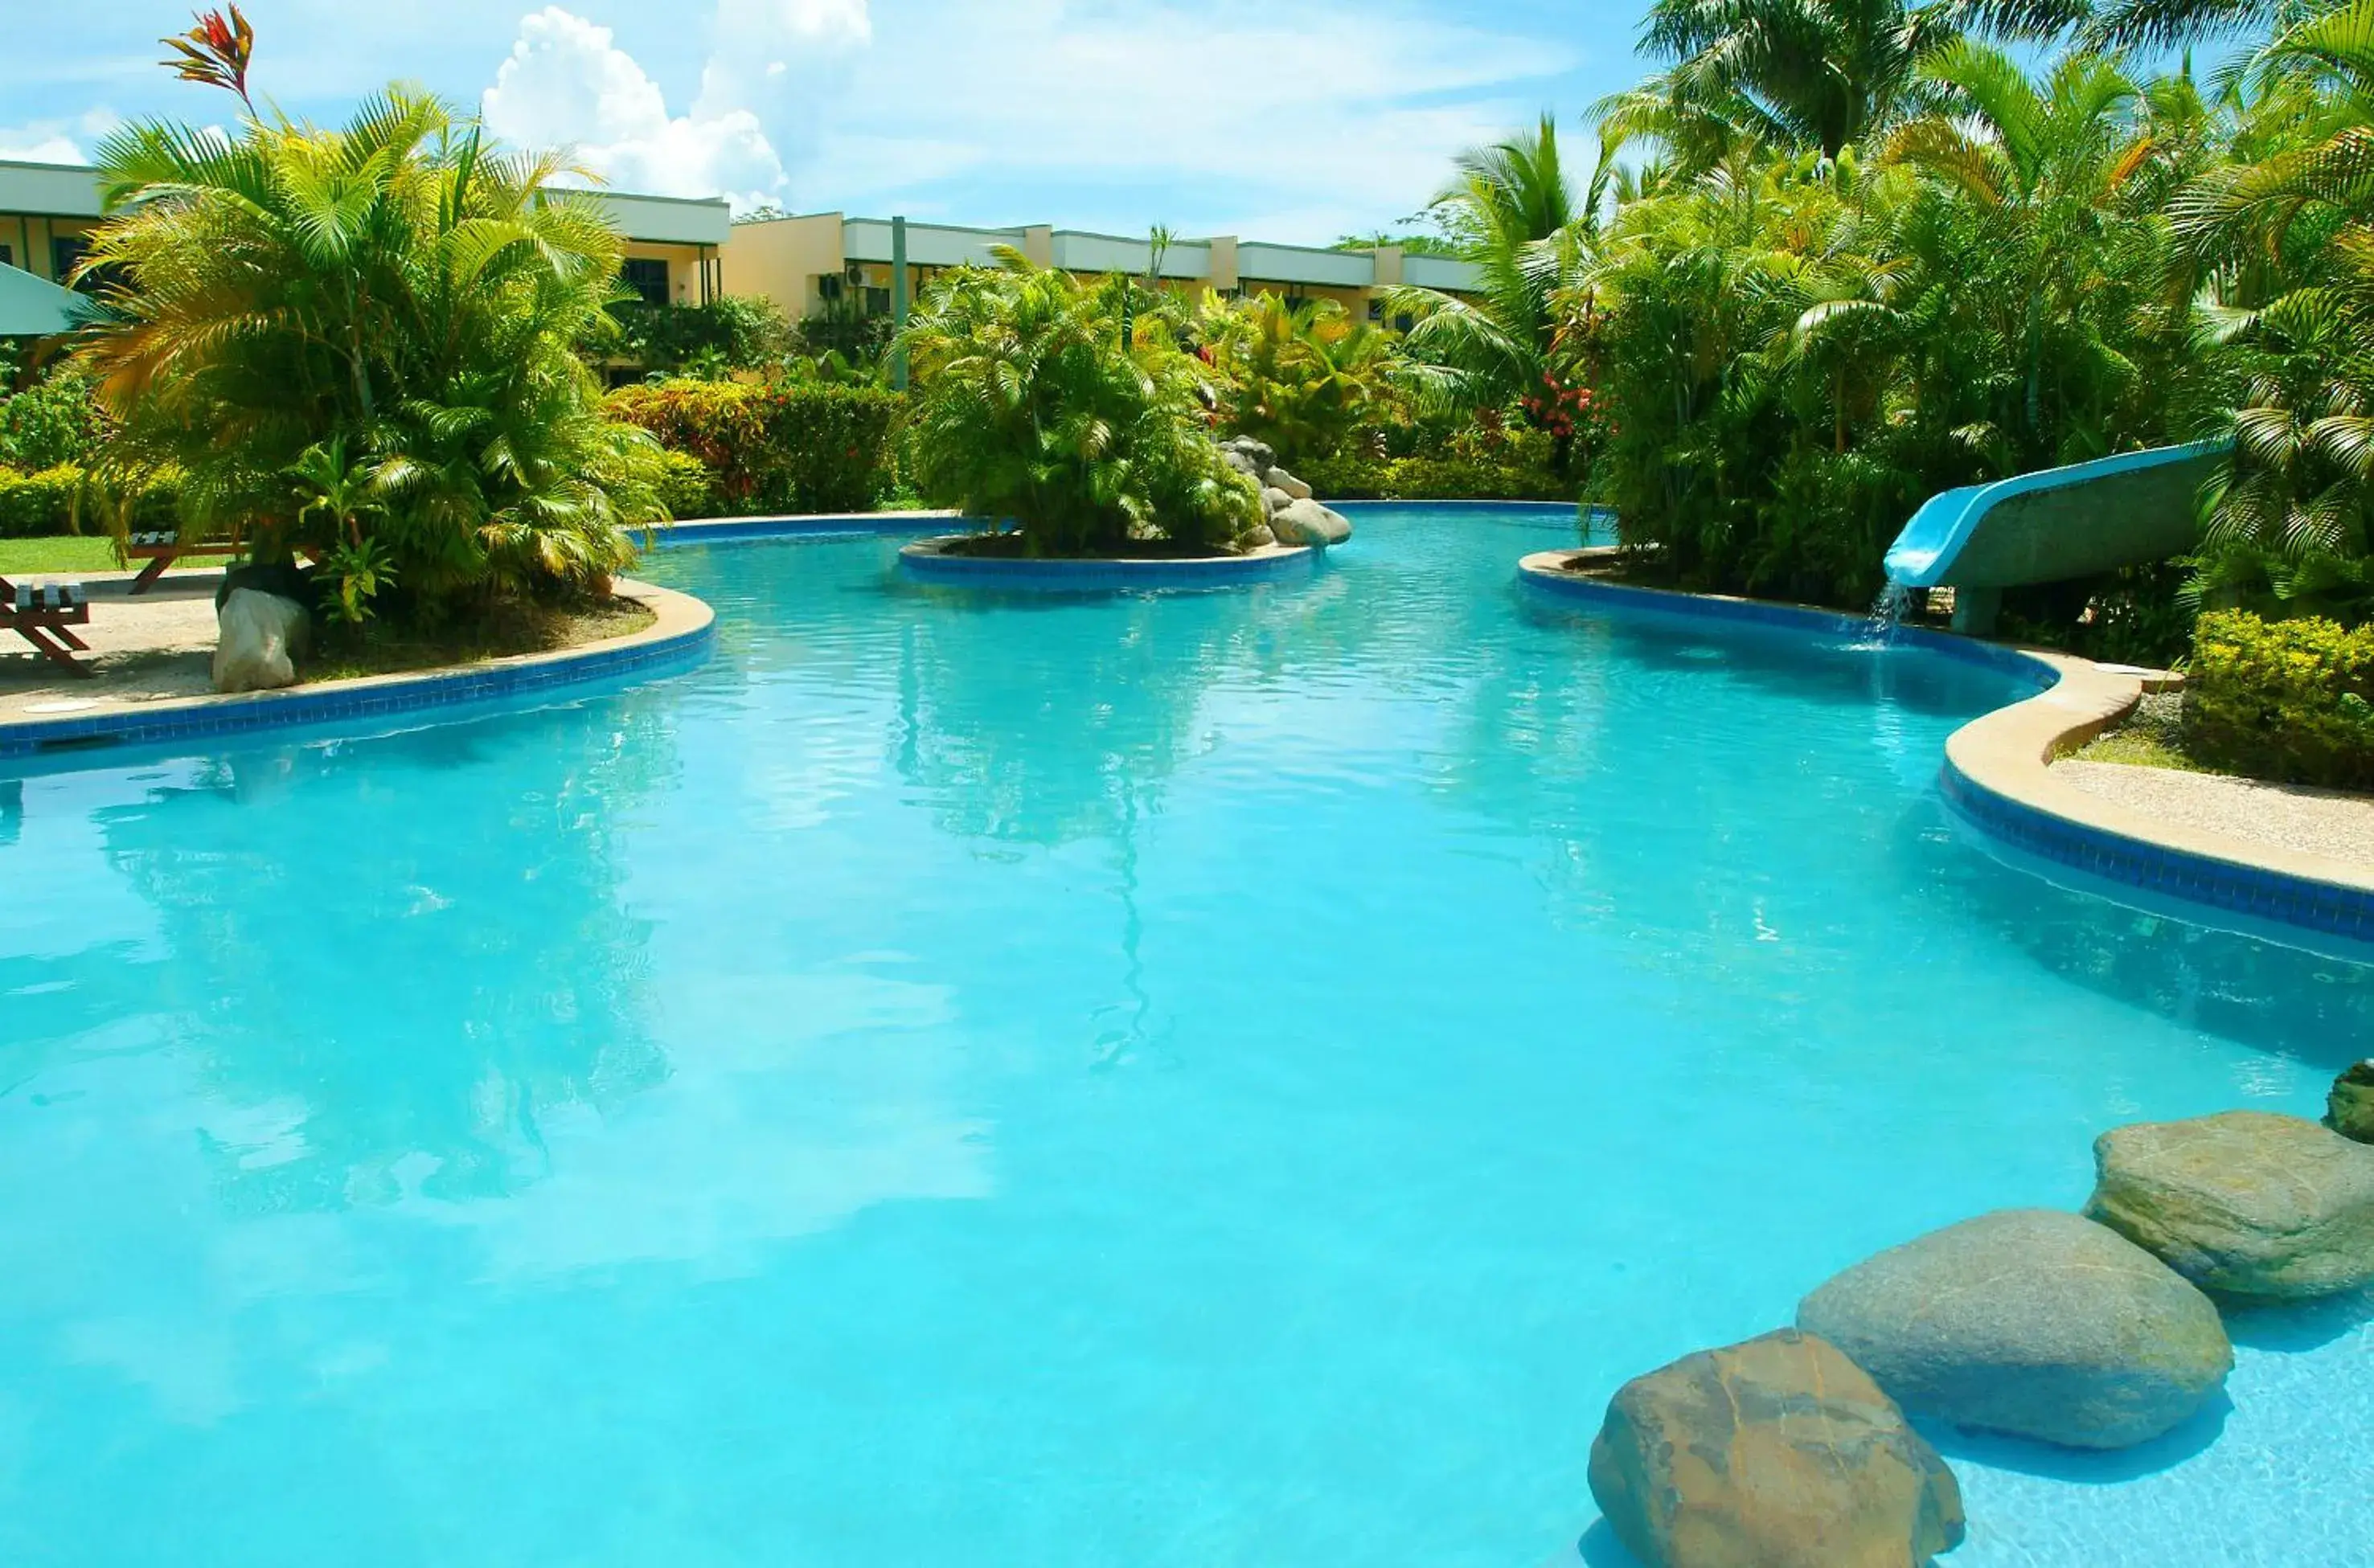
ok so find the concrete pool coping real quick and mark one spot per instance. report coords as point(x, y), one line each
point(1997, 775)
point(679, 633)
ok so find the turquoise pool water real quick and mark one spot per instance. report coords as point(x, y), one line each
point(1220, 1079)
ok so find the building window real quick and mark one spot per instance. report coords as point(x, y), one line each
point(828, 288)
point(1296, 302)
point(877, 301)
point(646, 277)
point(1376, 309)
point(66, 253)
point(8, 257)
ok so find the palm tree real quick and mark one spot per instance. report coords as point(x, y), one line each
point(2288, 243)
point(400, 291)
point(2041, 165)
point(1031, 409)
point(1796, 73)
point(2117, 23)
point(1299, 377)
point(1516, 216)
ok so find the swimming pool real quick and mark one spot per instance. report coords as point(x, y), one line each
point(1206, 1078)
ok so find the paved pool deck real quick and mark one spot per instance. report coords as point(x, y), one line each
point(156, 648)
point(2281, 816)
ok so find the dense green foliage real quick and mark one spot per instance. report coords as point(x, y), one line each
point(62, 499)
point(723, 337)
point(1069, 413)
point(54, 420)
point(2290, 700)
point(772, 447)
point(361, 342)
point(36, 503)
point(1303, 378)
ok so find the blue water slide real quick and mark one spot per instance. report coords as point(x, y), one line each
point(2052, 525)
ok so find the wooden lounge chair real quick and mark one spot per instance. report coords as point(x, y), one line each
point(161, 550)
point(44, 614)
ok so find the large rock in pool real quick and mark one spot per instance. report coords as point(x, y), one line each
point(1779, 1453)
point(1308, 522)
point(2030, 1322)
point(2349, 1109)
point(2247, 1204)
point(259, 638)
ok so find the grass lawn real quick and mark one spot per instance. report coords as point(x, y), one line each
point(34, 557)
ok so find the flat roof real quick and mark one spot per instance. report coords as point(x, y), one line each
point(71, 190)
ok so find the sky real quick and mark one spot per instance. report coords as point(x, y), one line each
point(1287, 121)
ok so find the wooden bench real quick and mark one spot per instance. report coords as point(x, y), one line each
point(161, 550)
point(44, 614)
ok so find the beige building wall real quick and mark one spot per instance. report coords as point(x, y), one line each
point(781, 259)
point(31, 240)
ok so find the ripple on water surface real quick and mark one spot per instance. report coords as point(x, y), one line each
point(1221, 1078)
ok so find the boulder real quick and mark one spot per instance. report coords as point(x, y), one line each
point(1308, 522)
point(2247, 1204)
point(1260, 454)
point(2349, 1109)
point(261, 637)
point(1260, 538)
point(1238, 461)
point(1779, 1453)
point(1274, 501)
point(2030, 1322)
point(1279, 479)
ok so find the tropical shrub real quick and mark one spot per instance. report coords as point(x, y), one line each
point(1301, 379)
point(1036, 408)
point(62, 499)
point(776, 447)
point(2290, 700)
point(37, 504)
point(51, 422)
point(687, 485)
point(365, 336)
point(1356, 477)
point(725, 336)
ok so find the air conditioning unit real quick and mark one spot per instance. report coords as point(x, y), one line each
point(856, 273)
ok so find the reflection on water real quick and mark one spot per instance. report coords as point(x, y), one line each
point(1214, 1078)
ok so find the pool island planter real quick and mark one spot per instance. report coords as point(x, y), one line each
point(680, 634)
point(1998, 777)
point(932, 561)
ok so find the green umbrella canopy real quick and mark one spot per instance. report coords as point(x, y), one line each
point(32, 307)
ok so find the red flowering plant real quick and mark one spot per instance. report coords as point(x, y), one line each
point(215, 52)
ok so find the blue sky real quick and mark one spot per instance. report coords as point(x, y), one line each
point(1287, 121)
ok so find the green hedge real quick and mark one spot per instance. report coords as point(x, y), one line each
point(783, 447)
point(36, 506)
point(1432, 479)
point(2287, 700)
point(52, 502)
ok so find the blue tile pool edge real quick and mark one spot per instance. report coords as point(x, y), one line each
point(2262, 894)
point(683, 635)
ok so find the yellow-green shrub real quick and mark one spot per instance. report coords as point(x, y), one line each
point(2287, 700)
point(688, 488)
point(783, 447)
point(36, 505)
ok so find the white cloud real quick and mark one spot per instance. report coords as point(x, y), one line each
point(1284, 122)
point(56, 141)
point(1314, 118)
point(567, 83)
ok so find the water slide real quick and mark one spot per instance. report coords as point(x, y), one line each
point(2052, 525)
